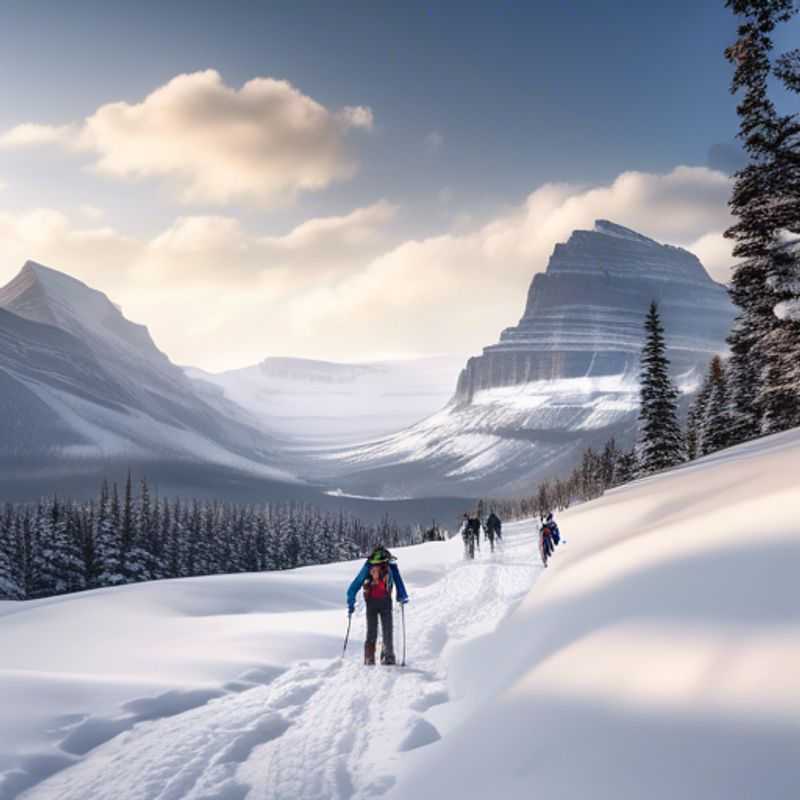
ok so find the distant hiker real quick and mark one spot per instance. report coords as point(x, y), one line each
point(466, 536)
point(470, 531)
point(493, 529)
point(377, 578)
point(476, 529)
point(545, 542)
point(433, 534)
point(554, 531)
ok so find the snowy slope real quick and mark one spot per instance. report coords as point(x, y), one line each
point(561, 380)
point(82, 385)
point(658, 656)
point(499, 443)
point(322, 401)
point(209, 670)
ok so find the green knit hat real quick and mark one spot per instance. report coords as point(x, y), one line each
point(380, 555)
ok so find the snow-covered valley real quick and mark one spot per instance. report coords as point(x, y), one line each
point(657, 656)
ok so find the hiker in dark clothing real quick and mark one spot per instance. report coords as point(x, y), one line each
point(555, 533)
point(377, 578)
point(545, 542)
point(493, 529)
point(470, 532)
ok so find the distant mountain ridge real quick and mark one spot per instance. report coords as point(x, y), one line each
point(84, 385)
point(584, 314)
point(564, 378)
point(319, 401)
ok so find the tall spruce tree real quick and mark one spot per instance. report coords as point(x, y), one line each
point(717, 417)
point(660, 442)
point(765, 345)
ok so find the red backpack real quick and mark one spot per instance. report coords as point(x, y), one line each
point(380, 589)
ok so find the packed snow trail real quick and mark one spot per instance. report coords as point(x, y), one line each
point(324, 729)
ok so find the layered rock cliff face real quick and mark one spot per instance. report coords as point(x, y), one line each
point(584, 316)
point(564, 379)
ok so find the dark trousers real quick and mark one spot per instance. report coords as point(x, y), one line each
point(382, 609)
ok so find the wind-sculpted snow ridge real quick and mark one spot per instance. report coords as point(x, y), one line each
point(658, 657)
point(311, 729)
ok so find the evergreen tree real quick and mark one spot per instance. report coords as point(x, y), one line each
point(108, 553)
point(717, 418)
point(660, 442)
point(627, 468)
point(696, 419)
point(766, 200)
point(10, 588)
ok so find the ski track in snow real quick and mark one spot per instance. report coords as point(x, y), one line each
point(322, 730)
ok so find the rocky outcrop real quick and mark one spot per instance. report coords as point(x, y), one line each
point(564, 379)
point(584, 315)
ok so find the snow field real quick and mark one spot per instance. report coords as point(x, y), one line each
point(310, 728)
point(657, 656)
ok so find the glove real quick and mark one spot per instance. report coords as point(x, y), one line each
point(350, 610)
point(403, 601)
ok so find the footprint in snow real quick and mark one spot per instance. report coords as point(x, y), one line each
point(267, 729)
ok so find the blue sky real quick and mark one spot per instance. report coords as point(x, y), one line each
point(520, 92)
point(473, 107)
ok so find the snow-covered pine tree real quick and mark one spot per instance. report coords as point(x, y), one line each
point(135, 559)
point(660, 444)
point(786, 274)
point(74, 564)
point(10, 588)
point(627, 467)
point(767, 204)
point(146, 543)
point(608, 464)
point(108, 554)
point(697, 417)
point(717, 419)
point(176, 535)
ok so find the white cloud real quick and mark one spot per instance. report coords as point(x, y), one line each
point(455, 292)
point(99, 255)
point(33, 135)
point(715, 251)
point(217, 295)
point(261, 144)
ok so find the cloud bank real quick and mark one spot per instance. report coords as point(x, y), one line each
point(218, 295)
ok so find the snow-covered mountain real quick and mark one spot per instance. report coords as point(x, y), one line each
point(83, 385)
point(657, 656)
point(564, 378)
point(321, 401)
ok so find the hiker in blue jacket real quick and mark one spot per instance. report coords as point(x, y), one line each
point(554, 531)
point(377, 577)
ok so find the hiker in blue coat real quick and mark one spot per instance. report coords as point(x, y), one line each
point(377, 577)
point(554, 531)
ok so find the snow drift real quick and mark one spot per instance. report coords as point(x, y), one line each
point(658, 657)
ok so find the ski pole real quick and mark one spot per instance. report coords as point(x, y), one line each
point(347, 635)
point(403, 616)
